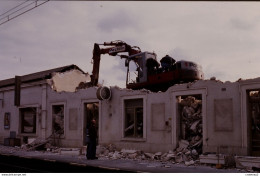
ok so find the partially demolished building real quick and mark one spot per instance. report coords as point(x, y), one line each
point(204, 116)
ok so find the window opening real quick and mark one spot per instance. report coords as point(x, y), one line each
point(58, 119)
point(28, 120)
point(133, 118)
point(254, 121)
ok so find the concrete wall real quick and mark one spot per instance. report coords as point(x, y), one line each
point(224, 106)
point(221, 114)
point(31, 96)
point(74, 111)
point(112, 121)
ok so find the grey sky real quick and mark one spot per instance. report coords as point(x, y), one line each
point(223, 37)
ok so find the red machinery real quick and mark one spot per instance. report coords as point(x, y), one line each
point(149, 73)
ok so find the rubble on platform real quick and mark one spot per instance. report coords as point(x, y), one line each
point(111, 152)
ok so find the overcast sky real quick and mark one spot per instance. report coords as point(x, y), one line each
point(223, 37)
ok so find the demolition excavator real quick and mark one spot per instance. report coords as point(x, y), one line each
point(146, 72)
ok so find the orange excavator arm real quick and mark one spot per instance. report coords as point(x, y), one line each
point(115, 48)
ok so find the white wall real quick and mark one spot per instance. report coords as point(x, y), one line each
point(230, 137)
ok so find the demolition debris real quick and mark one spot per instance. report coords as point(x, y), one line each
point(185, 157)
point(191, 128)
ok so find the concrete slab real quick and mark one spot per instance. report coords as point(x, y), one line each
point(212, 159)
point(247, 162)
point(70, 151)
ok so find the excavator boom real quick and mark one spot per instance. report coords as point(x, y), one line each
point(115, 48)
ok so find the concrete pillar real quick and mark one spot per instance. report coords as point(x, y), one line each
point(44, 111)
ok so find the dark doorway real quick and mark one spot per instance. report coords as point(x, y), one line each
point(91, 111)
point(254, 121)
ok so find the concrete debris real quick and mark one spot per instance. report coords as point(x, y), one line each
point(35, 144)
point(183, 144)
point(110, 152)
point(149, 155)
point(132, 156)
point(111, 148)
point(116, 155)
point(69, 151)
point(179, 159)
point(188, 163)
point(191, 127)
point(128, 151)
point(171, 157)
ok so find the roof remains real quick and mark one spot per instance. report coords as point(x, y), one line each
point(47, 74)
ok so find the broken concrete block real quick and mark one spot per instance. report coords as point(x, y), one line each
point(188, 163)
point(188, 153)
point(158, 154)
point(197, 143)
point(31, 140)
point(149, 155)
point(111, 148)
point(194, 125)
point(186, 157)
point(183, 144)
point(247, 162)
point(128, 151)
point(179, 150)
point(178, 159)
point(164, 155)
point(116, 155)
point(24, 146)
point(110, 154)
point(70, 152)
point(212, 159)
point(106, 152)
point(132, 156)
point(169, 157)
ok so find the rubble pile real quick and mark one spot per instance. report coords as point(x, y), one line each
point(190, 145)
point(40, 144)
point(110, 152)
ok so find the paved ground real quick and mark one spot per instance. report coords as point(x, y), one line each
point(116, 165)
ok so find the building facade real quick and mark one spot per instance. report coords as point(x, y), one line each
point(225, 115)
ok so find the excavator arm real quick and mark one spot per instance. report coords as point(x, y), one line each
point(115, 48)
